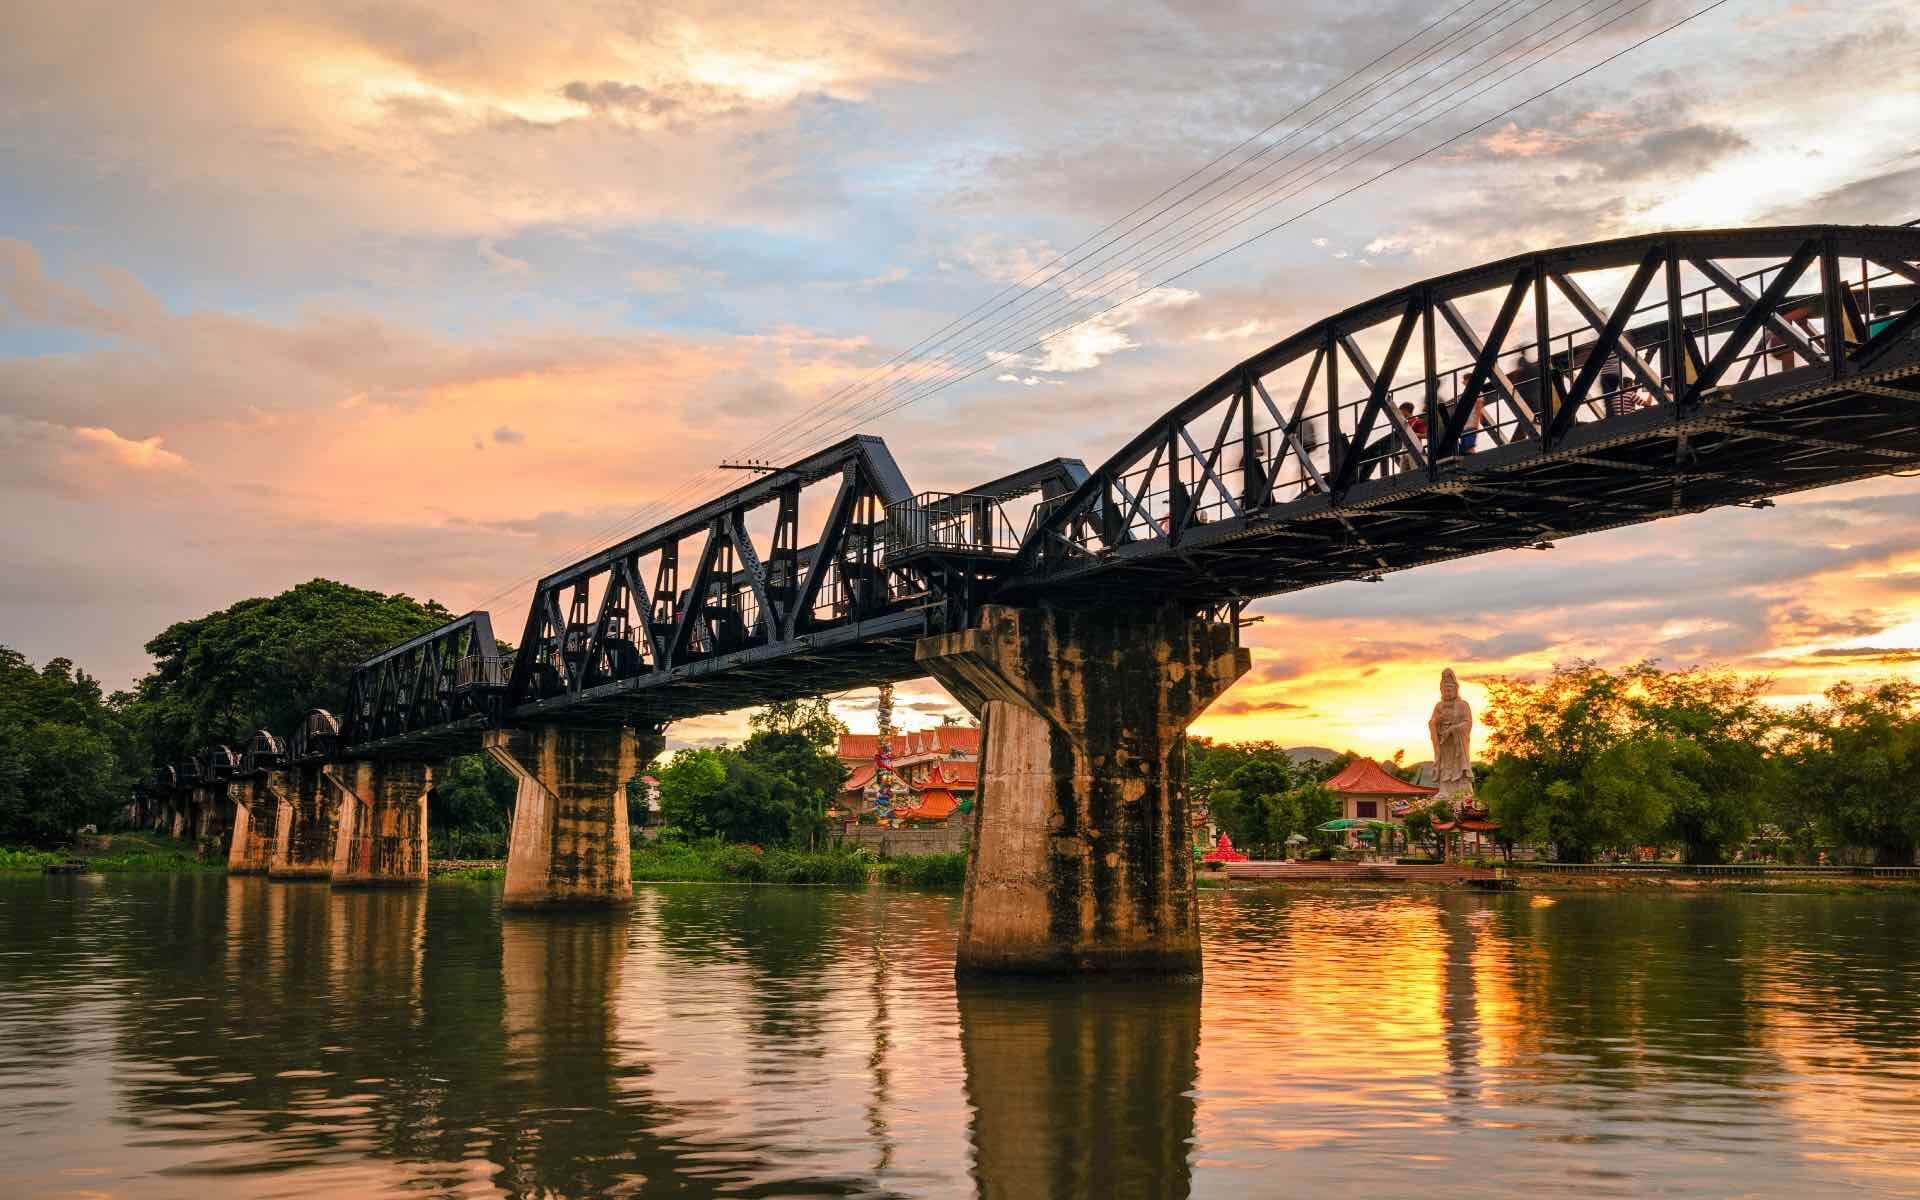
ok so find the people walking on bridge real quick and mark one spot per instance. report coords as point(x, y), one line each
point(1528, 381)
point(1419, 427)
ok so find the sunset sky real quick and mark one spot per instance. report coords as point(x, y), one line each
point(424, 296)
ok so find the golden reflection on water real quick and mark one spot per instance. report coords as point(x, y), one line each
point(236, 1037)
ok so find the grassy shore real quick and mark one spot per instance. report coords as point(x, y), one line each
point(711, 862)
point(714, 862)
point(124, 852)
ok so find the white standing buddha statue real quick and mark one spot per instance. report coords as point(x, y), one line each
point(1451, 727)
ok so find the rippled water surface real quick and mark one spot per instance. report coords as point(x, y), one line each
point(212, 1037)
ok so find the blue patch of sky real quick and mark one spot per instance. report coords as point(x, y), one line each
point(34, 341)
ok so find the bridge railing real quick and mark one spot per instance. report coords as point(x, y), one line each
point(482, 671)
point(949, 523)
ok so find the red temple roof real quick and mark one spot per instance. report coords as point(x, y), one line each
point(935, 805)
point(1364, 777)
point(938, 742)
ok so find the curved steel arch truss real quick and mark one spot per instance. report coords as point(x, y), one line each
point(1543, 395)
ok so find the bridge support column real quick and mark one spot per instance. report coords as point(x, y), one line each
point(570, 844)
point(211, 823)
point(381, 834)
point(1081, 856)
point(305, 832)
point(256, 814)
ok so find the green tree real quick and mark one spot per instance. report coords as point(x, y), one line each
point(1244, 785)
point(61, 758)
point(262, 663)
point(1312, 806)
point(1852, 767)
point(1590, 759)
point(1557, 756)
point(724, 794)
point(811, 719)
point(472, 794)
point(1714, 729)
point(688, 783)
point(798, 741)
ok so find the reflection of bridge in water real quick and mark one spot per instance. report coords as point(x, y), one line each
point(751, 1042)
point(1089, 617)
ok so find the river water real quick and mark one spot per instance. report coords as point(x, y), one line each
point(212, 1037)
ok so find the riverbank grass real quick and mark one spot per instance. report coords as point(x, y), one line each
point(721, 862)
point(138, 851)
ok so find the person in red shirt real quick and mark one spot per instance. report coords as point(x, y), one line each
point(1419, 428)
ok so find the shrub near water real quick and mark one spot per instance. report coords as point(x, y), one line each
point(929, 870)
point(28, 860)
point(714, 861)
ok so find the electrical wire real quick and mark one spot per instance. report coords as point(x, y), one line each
point(941, 385)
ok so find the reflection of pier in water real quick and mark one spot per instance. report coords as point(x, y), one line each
point(1081, 1089)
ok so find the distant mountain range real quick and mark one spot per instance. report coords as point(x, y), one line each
point(1306, 754)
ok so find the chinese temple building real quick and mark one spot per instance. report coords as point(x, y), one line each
point(1368, 793)
point(922, 778)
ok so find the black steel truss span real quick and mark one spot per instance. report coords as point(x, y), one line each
point(1541, 396)
point(700, 615)
point(1506, 406)
point(438, 687)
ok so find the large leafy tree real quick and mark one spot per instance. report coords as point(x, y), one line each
point(1711, 730)
point(471, 794)
point(63, 750)
point(1590, 759)
point(724, 794)
point(1852, 768)
point(262, 663)
point(797, 741)
point(1241, 783)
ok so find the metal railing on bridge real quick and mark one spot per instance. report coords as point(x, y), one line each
point(950, 524)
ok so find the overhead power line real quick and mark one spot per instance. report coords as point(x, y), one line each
point(849, 403)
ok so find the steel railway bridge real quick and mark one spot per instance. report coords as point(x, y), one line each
point(1090, 615)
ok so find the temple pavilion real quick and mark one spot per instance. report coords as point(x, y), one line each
point(1368, 793)
point(928, 777)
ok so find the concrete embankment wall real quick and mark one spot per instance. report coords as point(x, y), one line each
point(896, 843)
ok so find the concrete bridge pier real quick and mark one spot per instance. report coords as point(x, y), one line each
point(1082, 858)
point(210, 821)
point(305, 832)
point(380, 839)
point(256, 818)
point(570, 845)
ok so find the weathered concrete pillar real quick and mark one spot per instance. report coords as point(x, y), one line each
point(212, 821)
point(305, 833)
point(256, 816)
point(570, 842)
point(1081, 858)
point(381, 834)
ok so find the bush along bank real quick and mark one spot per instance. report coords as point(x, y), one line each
point(712, 861)
point(730, 862)
point(121, 853)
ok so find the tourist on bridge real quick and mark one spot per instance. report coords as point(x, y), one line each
point(1419, 428)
